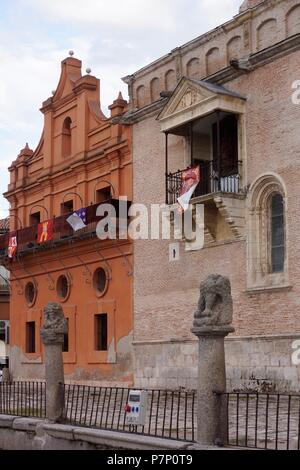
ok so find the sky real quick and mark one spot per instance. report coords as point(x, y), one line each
point(114, 38)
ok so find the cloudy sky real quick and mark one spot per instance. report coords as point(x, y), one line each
point(114, 38)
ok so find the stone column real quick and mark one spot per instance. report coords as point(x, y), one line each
point(52, 334)
point(212, 324)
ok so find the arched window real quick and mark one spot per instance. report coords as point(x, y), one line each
point(266, 34)
point(293, 21)
point(141, 96)
point(66, 138)
point(213, 61)
point(155, 89)
point(267, 233)
point(193, 68)
point(277, 234)
point(170, 79)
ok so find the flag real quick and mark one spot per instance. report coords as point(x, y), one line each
point(45, 231)
point(190, 180)
point(12, 244)
point(78, 220)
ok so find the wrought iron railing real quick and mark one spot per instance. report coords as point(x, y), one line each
point(228, 180)
point(264, 420)
point(255, 420)
point(170, 414)
point(26, 399)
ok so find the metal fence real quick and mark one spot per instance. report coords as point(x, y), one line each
point(27, 399)
point(264, 421)
point(169, 414)
point(255, 420)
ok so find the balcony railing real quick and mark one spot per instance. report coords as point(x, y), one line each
point(228, 180)
point(62, 231)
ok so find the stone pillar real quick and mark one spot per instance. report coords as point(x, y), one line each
point(212, 324)
point(52, 334)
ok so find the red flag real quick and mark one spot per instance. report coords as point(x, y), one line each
point(45, 231)
point(190, 180)
point(12, 244)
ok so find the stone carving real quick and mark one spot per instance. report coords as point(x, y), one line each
point(55, 324)
point(191, 97)
point(215, 307)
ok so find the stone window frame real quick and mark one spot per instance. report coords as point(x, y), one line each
point(259, 275)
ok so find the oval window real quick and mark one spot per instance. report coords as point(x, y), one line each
point(63, 287)
point(100, 281)
point(30, 293)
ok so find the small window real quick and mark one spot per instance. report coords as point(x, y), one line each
point(30, 293)
point(2, 331)
point(66, 207)
point(66, 138)
point(35, 218)
point(100, 280)
point(63, 287)
point(103, 195)
point(277, 234)
point(101, 332)
point(66, 339)
point(30, 337)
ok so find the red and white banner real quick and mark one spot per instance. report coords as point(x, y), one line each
point(190, 181)
point(12, 245)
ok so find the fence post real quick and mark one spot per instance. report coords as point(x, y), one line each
point(52, 334)
point(212, 324)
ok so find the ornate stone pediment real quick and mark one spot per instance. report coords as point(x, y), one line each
point(185, 96)
point(193, 99)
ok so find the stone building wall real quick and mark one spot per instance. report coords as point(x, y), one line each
point(253, 364)
point(249, 32)
point(166, 293)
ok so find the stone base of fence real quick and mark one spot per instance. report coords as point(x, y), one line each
point(36, 434)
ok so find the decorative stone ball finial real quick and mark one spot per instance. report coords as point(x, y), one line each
point(55, 325)
point(215, 307)
point(88, 71)
point(71, 53)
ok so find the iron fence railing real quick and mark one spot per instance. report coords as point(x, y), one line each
point(170, 414)
point(255, 420)
point(228, 180)
point(264, 420)
point(26, 399)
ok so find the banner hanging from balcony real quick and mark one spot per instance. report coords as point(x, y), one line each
point(45, 231)
point(12, 245)
point(190, 181)
point(78, 220)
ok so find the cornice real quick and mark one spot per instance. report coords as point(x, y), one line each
point(256, 60)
